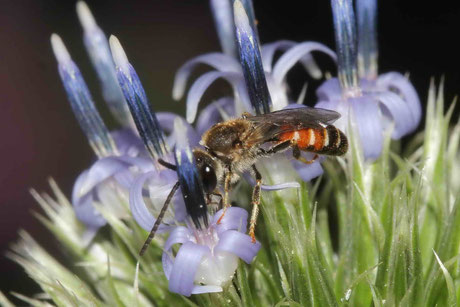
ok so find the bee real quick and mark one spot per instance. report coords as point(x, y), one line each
point(234, 146)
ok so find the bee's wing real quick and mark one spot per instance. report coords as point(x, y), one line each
point(269, 126)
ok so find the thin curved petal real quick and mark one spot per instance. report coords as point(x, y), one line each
point(166, 120)
point(181, 279)
point(242, 101)
point(83, 205)
point(212, 113)
point(206, 289)
point(272, 187)
point(281, 186)
point(278, 92)
point(201, 85)
point(101, 170)
point(308, 172)
point(238, 244)
point(397, 110)
point(367, 118)
point(329, 90)
point(218, 61)
point(179, 235)
point(395, 81)
point(268, 52)
point(291, 57)
point(235, 219)
point(137, 205)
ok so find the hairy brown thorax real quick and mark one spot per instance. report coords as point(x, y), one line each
point(227, 141)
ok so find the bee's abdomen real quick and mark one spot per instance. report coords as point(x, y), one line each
point(335, 144)
point(326, 141)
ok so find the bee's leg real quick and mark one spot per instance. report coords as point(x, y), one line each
point(246, 115)
point(277, 148)
point(215, 194)
point(298, 156)
point(255, 204)
point(228, 178)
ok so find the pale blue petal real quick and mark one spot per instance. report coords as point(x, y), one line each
point(218, 61)
point(166, 120)
point(83, 205)
point(188, 258)
point(308, 172)
point(179, 235)
point(201, 85)
point(398, 111)
point(212, 113)
point(294, 55)
point(136, 199)
point(238, 244)
point(329, 90)
point(367, 118)
point(394, 81)
point(235, 219)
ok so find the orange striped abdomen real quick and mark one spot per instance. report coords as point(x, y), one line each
point(328, 141)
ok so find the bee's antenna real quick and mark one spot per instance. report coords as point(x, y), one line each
point(167, 164)
point(159, 219)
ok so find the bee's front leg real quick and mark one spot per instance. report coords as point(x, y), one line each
point(255, 204)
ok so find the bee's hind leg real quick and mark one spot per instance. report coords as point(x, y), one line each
point(298, 156)
point(227, 181)
point(255, 204)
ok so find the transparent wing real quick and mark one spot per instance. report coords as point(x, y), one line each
point(268, 126)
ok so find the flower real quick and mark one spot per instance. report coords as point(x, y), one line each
point(207, 258)
point(373, 102)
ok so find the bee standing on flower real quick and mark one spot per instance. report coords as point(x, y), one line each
point(236, 145)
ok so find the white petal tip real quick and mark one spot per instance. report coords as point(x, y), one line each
point(177, 93)
point(118, 54)
point(241, 17)
point(59, 49)
point(85, 16)
point(179, 130)
point(190, 118)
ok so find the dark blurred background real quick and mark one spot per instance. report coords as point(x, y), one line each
point(40, 138)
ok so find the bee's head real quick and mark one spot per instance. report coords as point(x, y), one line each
point(209, 169)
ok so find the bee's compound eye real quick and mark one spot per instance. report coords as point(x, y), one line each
point(208, 177)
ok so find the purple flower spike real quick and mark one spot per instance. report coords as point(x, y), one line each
point(81, 101)
point(141, 110)
point(251, 61)
point(345, 39)
point(97, 45)
point(367, 38)
point(223, 19)
point(208, 258)
point(190, 182)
